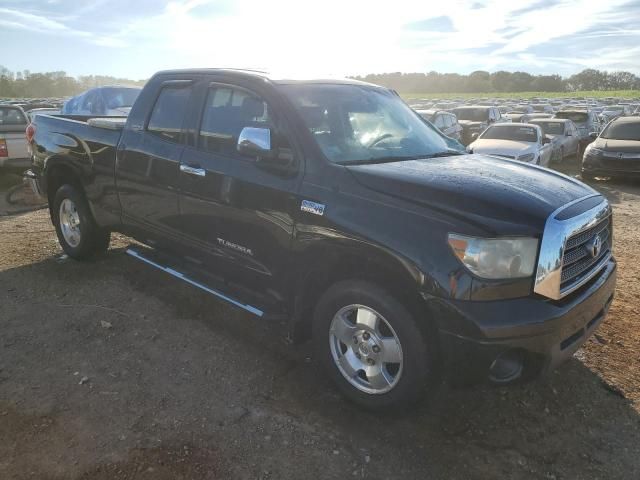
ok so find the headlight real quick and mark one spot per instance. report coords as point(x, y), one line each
point(496, 258)
point(527, 157)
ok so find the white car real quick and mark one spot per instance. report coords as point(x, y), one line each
point(520, 141)
point(13, 142)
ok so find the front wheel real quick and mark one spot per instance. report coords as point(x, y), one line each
point(79, 235)
point(370, 346)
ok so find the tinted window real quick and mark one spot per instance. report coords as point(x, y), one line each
point(227, 111)
point(622, 131)
point(472, 114)
point(11, 116)
point(168, 113)
point(577, 117)
point(552, 128)
point(509, 132)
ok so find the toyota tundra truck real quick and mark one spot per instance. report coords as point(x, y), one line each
point(332, 206)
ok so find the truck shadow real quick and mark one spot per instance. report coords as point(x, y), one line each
point(565, 426)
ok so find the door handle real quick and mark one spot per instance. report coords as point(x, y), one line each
point(198, 172)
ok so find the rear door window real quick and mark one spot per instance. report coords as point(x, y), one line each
point(167, 116)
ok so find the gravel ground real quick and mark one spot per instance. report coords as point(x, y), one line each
point(110, 369)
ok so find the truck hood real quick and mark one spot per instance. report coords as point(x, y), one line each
point(503, 147)
point(496, 195)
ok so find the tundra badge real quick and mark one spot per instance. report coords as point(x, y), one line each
point(312, 207)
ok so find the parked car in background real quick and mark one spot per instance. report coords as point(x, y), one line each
point(13, 143)
point(475, 119)
point(42, 111)
point(446, 122)
point(586, 120)
point(564, 137)
point(103, 101)
point(520, 141)
point(616, 151)
point(542, 108)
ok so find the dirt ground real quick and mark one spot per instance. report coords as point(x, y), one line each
point(112, 370)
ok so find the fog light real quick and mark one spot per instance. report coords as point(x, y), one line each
point(507, 366)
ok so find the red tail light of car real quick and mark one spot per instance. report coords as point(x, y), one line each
point(30, 132)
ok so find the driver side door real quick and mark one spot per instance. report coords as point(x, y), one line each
point(237, 216)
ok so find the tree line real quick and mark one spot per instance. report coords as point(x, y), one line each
point(502, 81)
point(26, 84)
point(58, 84)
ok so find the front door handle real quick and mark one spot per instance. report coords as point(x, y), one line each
point(198, 172)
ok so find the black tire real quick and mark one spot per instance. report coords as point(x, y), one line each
point(587, 177)
point(417, 371)
point(93, 239)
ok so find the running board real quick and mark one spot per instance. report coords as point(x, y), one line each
point(190, 281)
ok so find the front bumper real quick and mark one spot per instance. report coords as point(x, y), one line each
point(607, 166)
point(544, 332)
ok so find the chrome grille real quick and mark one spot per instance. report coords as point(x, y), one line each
point(577, 261)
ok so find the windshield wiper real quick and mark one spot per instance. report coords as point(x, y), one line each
point(389, 159)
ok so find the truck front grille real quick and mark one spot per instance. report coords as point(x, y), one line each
point(579, 261)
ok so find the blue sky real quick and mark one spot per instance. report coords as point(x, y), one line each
point(134, 38)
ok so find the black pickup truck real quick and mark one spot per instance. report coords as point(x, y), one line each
point(333, 205)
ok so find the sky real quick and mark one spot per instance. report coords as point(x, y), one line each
point(297, 38)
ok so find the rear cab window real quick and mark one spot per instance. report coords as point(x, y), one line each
point(167, 116)
point(12, 116)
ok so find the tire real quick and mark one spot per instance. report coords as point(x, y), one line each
point(78, 234)
point(390, 327)
point(587, 177)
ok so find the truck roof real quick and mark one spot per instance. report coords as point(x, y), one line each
point(272, 77)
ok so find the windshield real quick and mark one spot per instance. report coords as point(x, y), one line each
point(515, 133)
point(551, 128)
point(353, 123)
point(471, 114)
point(120, 97)
point(622, 131)
point(576, 117)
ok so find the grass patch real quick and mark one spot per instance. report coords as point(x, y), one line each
point(593, 94)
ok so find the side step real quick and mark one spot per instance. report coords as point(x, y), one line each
point(249, 308)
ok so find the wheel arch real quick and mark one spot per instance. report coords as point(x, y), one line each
point(324, 266)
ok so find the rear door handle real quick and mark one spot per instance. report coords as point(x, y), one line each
point(198, 172)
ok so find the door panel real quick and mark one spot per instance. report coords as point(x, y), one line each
point(238, 216)
point(148, 160)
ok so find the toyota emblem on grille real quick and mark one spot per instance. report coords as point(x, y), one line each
point(594, 246)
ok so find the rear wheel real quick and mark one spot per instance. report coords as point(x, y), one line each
point(370, 346)
point(78, 234)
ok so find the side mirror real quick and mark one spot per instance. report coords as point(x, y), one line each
point(546, 140)
point(593, 135)
point(255, 142)
point(474, 136)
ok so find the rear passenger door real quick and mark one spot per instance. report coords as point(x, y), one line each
point(237, 214)
point(147, 165)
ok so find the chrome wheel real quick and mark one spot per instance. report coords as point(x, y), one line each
point(70, 222)
point(366, 349)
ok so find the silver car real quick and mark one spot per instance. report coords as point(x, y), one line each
point(564, 137)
